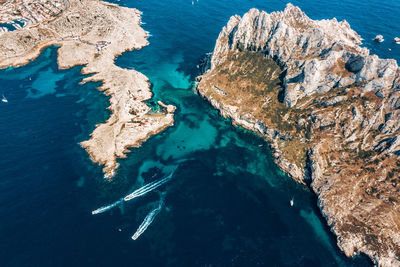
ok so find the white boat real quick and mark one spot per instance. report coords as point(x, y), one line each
point(148, 220)
point(292, 202)
point(4, 99)
point(106, 208)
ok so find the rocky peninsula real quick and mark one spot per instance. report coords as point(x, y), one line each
point(330, 111)
point(92, 33)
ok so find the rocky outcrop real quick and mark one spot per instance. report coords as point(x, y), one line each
point(330, 110)
point(311, 52)
point(379, 38)
point(92, 33)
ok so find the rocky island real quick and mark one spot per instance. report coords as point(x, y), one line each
point(330, 111)
point(90, 33)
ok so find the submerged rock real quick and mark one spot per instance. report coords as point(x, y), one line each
point(330, 112)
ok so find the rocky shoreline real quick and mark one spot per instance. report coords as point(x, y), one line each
point(256, 126)
point(93, 33)
point(330, 111)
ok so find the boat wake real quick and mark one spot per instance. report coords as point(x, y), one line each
point(137, 193)
point(106, 208)
point(148, 187)
point(148, 220)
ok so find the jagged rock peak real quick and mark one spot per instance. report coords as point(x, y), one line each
point(317, 55)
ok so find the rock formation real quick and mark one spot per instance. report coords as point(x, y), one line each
point(331, 113)
point(92, 33)
point(379, 38)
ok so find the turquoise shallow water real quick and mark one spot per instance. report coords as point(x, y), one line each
point(227, 203)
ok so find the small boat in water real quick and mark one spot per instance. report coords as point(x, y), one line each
point(292, 202)
point(106, 208)
point(148, 220)
point(4, 99)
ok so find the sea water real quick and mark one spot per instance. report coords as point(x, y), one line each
point(227, 204)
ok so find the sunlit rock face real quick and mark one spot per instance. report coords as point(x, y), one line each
point(330, 111)
point(312, 53)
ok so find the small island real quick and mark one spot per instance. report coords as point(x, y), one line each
point(90, 33)
point(330, 112)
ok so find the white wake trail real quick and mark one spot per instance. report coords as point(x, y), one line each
point(147, 221)
point(137, 193)
point(148, 187)
point(106, 208)
point(143, 190)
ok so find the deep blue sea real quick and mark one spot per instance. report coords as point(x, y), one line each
point(227, 203)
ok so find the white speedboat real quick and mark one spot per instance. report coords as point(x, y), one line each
point(4, 99)
point(292, 202)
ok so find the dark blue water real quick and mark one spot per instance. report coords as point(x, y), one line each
point(227, 204)
point(8, 26)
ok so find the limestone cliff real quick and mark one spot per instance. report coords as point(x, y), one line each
point(330, 110)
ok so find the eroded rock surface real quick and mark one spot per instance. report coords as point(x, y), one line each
point(330, 110)
point(92, 33)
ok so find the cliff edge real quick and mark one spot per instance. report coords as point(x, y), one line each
point(330, 111)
